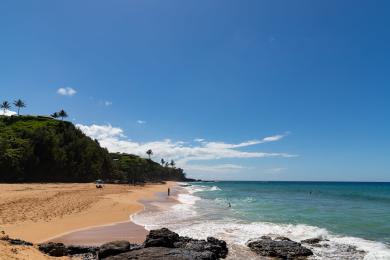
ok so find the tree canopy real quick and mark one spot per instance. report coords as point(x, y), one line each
point(42, 149)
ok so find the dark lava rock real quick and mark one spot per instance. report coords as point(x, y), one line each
point(265, 237)
point(166, 238)
point(53, 249)
point(17, 242)
point(163, 253)
point(221, 246)
point(283, 238)
point(79, 250)
point(279, 249)
point(311, 241)
point(114, 248)
point(161, 238)
point(217, 247)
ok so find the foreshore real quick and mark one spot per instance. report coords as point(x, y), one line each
point(43, 212)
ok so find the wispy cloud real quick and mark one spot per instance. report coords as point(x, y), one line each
point(219, 168)
point(67, 91)
point(141, 122)
point(107, 103)
point(275, 170)
point(199, 140)
point(184, 153)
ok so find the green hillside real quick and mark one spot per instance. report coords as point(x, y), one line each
point(42, 149)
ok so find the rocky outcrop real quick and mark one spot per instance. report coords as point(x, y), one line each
point(311, 241)
point(159, 244)
point(80, 250)
point(161, 238)
point(115, 248)
point(281, 248)
point(17, 242)
point(164, 253)
point(166, 238)
point(53, 249)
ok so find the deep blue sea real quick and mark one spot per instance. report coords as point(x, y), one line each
point(352, 218)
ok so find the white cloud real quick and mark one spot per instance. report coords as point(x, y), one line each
point(67, 91)
point(199, 140)
point(219, 168)
point(7, 113)
point(141, 122)
point(101, 132)
point(107, 103)
point(183, 153)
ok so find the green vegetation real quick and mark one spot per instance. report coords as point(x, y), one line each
point(5, 106)
point(133, 169)
point(42, 149)
point(19, 104)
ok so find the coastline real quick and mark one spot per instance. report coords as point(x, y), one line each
point(42, 212)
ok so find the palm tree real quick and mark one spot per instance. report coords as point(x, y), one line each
point(162, 161)
point(5, 106)
point(55, 115)
point(149, 153)
point(62, 114)
point(19, 104)
point(172, 163)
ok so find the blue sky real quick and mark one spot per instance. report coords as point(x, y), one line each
point(311, 76)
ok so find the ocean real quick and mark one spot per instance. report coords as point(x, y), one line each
point(353, 219)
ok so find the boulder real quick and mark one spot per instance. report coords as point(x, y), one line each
point(166, 238)
point(279, 248)
point(113, 248)
point(53, 249)
point(163, 253)
point(221, 245)
point(161, 238)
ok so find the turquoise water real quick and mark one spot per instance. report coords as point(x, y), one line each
point(354, 209)
point(352, 219)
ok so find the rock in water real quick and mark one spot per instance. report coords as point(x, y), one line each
point(53, 249)
point(282, 249)
point(161, 238)
point(113, 248)
point(163, 253)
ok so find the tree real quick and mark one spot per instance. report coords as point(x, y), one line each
point(162, 161)
point(62, 114)
point(172, 163)
point(19, 104)
point(55, 115)
point(149, 153)
point(5, 106)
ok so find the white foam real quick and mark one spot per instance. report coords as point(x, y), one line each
point(187, 198)
point(187, 219)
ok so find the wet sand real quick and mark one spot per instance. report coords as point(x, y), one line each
point(134, 233)
point(97, 236)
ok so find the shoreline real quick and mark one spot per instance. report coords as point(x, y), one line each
point(93, 209)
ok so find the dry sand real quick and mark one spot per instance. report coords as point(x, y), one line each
point(40, 212)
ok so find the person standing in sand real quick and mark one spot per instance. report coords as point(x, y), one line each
point(169, 191)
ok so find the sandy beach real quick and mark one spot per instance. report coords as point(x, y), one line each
point(42, 212)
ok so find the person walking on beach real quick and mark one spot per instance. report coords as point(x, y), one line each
point(169, 191)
